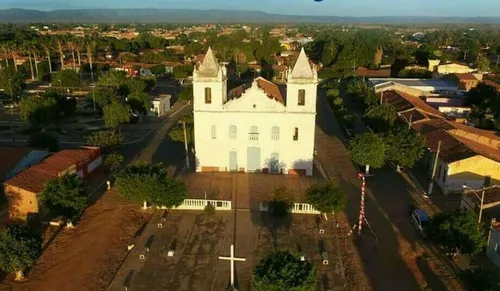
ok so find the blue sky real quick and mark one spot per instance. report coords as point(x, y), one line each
point(303, 7)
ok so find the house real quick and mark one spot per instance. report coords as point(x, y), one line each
point(23, 189)
point(452, 68)
point(160, 105)
point(256, 127)
point(464, 81)
point(471, 201)
point(493, 248)
point(467, 155)
point(17, 159)
point(417, 87)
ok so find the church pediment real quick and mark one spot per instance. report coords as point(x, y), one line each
point(260, 95)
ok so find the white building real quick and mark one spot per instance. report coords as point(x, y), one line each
point(256, 127)
point(160, 105)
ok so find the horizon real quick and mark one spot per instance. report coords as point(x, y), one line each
point(351, 8)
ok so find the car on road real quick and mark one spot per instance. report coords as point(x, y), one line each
point(420, 219)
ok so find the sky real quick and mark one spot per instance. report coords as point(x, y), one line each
point(463, 8)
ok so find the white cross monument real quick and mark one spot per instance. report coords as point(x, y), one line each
point(232, 259)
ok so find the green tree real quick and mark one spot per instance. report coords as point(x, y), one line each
point(113, 162)
point(283, 271)
point(115, 114)
point(158, 70)
point(404, 147)
point(19, 249)
point(150, 183)
point(139, 101)
point(280, 202)
point(65, 196)
point(481, 278)
point(135, 85)
point(368, 149)
point(482, 64)
point(187, 93)
point(12, 82)
point(326, 198)
point(105, 139)
point(44, 140)
point(182, 72)
point(66, 78)
point(457, 231)
point(381, 117)
point(38, 110)
point(102, 96)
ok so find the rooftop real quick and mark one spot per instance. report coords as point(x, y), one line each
point(10, 157)
point(302, 68)
point(491, 195)
point(466, 76)
point(380, 73)
point(272, 90)
point(421, 84)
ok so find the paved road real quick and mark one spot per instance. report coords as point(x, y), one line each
point(392, 258)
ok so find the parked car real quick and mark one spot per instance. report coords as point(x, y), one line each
point(420, 219)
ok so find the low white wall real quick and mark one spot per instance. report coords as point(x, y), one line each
point(199, 204)
point(303, 208)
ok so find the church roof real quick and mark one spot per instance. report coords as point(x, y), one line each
point(302, 68)
point(272, 90)
point(209, 67)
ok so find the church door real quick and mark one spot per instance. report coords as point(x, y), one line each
point(253, 159)
point(233, 161)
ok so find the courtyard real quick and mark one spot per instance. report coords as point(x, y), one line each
point(198, 239)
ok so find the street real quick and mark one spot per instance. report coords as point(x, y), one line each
point(394, 255)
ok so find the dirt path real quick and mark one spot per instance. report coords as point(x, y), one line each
point(86, 257)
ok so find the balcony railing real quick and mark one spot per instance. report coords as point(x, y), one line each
point(253, 136)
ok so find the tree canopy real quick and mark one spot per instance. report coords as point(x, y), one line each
point(12, 82)
point(283, 271)
point(326, 198)
point(146, 182)
point(66, 78)
point(116, 113)
point(368, 149)
point(485, 102)
point(114, 162)
point(65, 196)
point(38, 110)
point(457, 231)
point(19, 248)
point(404, 147)
point(280, 201)
point(105, 139)
point(44, 140)
point(381, 117)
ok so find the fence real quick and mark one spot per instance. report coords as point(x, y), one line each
point(199, 204)
point(303, 208)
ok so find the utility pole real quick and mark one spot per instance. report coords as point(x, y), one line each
point(381, 97)
point(362, 203)
point(409, 123)
point(185, 143)
point(465, 55)
point(482, 202)
point(431, 184)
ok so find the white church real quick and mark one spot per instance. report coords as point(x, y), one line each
point(256, 127)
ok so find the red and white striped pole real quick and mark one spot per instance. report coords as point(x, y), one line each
point(362, 206)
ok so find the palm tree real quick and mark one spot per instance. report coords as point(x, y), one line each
point(5, 47)
point(79, 43)
point(13, 50)
point(61, 52)
point(35, 50)
point(26, 47)
point(47, 46)
point(90, 47)
point(71, 46)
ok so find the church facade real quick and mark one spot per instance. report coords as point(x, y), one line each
point(256, 127)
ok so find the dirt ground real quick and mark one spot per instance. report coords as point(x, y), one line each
point(86, 257)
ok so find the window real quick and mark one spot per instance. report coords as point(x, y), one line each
point(296, 134)
point(254, 133)
point(214, 132)
point(232, 132)
point(275, 133)
point(302, 97)
point(208, 95)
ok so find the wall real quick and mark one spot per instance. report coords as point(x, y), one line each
point(493, 249)
point(453, 68)
point(292, 154)
point(21, 202)
point(471, 172)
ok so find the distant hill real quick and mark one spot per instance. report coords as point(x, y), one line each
point(210, 16)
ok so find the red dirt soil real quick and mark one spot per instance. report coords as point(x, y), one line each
point(86, 257)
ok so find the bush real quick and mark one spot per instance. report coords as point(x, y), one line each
point(209, 209)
